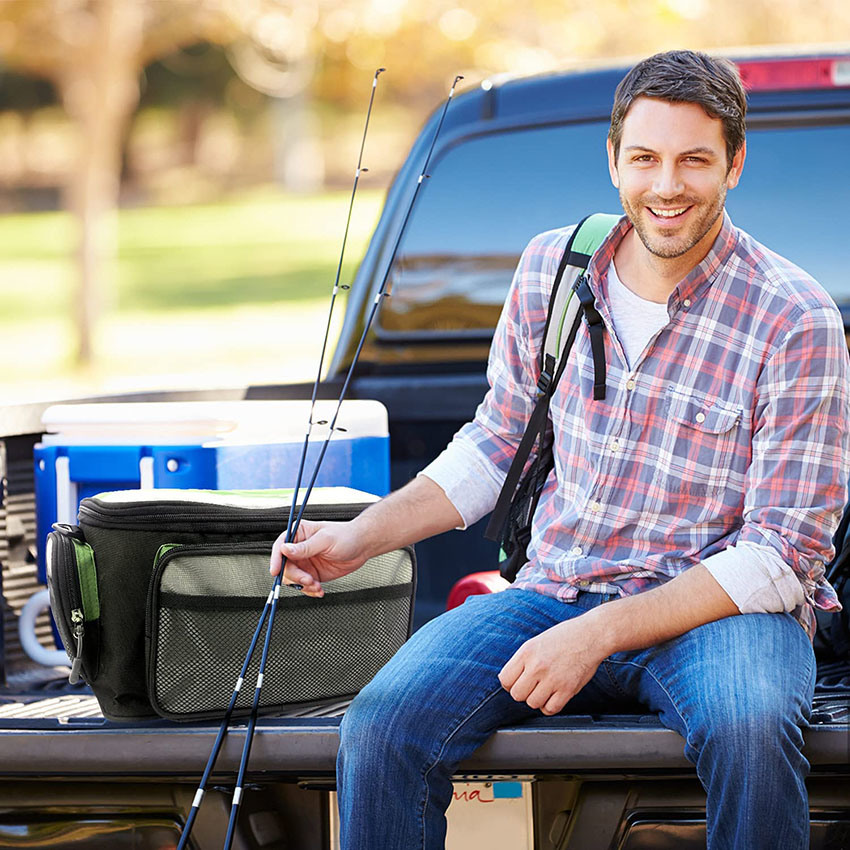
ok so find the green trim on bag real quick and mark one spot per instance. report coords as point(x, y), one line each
point(88, 579)
point(593, 232)
point(563, 319)
point(164, 550)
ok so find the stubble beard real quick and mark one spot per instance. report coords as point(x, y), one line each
point(670, 246)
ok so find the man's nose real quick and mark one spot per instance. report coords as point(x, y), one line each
point(667, 183)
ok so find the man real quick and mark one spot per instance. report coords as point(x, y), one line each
point(680, 542)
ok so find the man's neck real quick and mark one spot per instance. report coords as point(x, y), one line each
point(654, 278)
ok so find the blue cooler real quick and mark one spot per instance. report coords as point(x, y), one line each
point(234, 445)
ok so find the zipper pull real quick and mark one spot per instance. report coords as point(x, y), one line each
point(79, 630)
point(70, 530)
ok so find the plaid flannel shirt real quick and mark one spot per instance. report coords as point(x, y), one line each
point(733, 425)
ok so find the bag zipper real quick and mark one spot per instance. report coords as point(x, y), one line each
point(78, 621)
point(159, 514)
point(67, 534)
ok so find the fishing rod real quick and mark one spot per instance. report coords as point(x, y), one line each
point(199, 794)
point(293, 528)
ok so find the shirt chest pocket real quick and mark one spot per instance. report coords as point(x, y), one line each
point(699, 435)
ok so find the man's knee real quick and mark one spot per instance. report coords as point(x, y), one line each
point(748, 735)
point(378, 722)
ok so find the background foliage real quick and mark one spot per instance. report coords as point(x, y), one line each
point(176, 111)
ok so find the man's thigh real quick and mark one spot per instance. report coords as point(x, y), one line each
point(449, 668)
point(722, 675)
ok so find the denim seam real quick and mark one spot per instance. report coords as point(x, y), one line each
point(681, 717)
point(809, 663)
point(606, 665)
point(672, 702)
point(806, 711)
point(458, 725)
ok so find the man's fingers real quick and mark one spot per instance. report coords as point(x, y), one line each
point(510, 672)
point(523, 687)
point(554, 704)
point(307, 582)
point(300, 551)
point(292, 552)
point(540, 695)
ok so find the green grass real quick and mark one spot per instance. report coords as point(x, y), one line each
point(260, 249)
point(219, 294)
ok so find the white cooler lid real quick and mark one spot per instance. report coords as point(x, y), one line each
point(205, 422)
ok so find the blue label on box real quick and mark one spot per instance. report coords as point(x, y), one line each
point(507, 790)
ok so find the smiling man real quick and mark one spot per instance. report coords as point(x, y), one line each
point(678, 548)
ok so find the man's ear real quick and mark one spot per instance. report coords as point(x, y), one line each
point(612, 164)
point(737, 167)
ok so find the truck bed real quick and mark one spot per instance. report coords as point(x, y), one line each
point(74, 739)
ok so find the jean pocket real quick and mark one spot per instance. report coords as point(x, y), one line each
point(698, 444)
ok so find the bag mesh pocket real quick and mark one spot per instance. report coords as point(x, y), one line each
point(205, 606)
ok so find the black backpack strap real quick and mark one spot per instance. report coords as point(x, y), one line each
point(536, 425)
point(552, 367)
point(842, 548)
point(597, 340)
point(547, 352)
point(535, 428)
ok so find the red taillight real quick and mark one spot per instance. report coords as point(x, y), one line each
point(473, 585)
point(779, 74)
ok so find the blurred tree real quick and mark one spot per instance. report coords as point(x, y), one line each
point(93, 52)
point(279, 57)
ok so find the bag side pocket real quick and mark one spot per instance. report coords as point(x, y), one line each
point(204, 607)
point(74, 600)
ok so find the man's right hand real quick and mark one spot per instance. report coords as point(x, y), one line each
point(322, 551)
point(326, 550)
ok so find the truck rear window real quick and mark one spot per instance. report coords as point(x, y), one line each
point(489, 194)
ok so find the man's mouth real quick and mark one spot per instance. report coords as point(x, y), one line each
point(659, 212)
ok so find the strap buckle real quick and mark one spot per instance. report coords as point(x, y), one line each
point(547, 375)
point(544, 383)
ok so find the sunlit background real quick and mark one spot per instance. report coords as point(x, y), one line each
point(175, 174)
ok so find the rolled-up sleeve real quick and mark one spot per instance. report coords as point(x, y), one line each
point(796, 485)
point(472, 468)
point(756, 579)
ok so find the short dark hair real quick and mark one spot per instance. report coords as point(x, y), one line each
point(686, 76)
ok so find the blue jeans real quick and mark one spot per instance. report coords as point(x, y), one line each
point(738, 691)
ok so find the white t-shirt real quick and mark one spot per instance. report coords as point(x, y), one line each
point(636, 319)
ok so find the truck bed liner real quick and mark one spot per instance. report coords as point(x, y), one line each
point(74, 739)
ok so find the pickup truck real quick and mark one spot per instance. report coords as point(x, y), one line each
point(515, 157)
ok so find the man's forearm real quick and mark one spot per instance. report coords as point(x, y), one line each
point(647, 619)
point(418, 510)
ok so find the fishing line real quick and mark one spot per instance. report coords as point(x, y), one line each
point(292, 530)
point(199, 794)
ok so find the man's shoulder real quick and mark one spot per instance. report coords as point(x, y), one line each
point(790, 288)
point(550, 242)
point(539, 262)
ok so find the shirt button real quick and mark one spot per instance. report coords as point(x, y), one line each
point(615, 446)
point(584, 584)
point(700, 417)
point(576, 550)
point(630, 385)
point(687, 302)
point(595, 507)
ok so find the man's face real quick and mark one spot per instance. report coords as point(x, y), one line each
point(673, 175)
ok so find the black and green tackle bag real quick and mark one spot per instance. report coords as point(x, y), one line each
point(157, 594)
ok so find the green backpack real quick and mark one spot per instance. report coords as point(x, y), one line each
point(571, 298)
